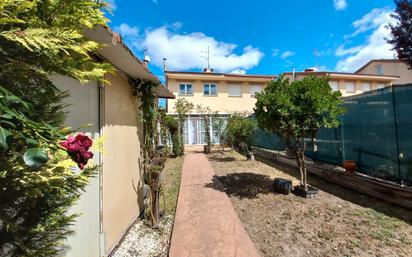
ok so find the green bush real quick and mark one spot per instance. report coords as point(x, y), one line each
point(173, 126)
point(239, 130)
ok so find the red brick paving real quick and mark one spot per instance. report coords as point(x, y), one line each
point(206, 225)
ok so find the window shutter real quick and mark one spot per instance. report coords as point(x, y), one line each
point(235, 90)
point(255, 89)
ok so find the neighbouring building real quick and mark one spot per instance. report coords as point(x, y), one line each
point(224, 93)
point(388, 67)
point(113, 199)
point(348, 83)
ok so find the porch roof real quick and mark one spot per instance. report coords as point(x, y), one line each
point(119, 55)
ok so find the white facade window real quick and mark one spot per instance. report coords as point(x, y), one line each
point(379, 69)
point(185, 89)
point(235, 90)
point(380, 85)
point(366, 86)
point(210, 89)
point(350, 87)
point(334, 85)
point(255, 89)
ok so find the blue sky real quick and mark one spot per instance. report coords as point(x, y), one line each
point(255, 37)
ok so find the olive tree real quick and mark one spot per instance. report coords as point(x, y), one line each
point(296, 111)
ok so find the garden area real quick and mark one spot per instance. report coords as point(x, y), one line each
point(145, 241)
point(338, 222)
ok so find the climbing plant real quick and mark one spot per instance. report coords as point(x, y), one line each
point(152, 161)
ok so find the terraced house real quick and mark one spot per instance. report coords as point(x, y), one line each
point(349, 83)
point(224, 93)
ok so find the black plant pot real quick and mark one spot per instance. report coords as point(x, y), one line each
point(310, 193)
point(282, 186)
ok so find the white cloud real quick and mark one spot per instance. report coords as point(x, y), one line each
point(287, 54)
point(112, 4)
point(177, 25)
point(340, 5)
point(127, 31)
point(375, 46)
point(183, 51)
point(342, 51)
point(369, 21)
point(275, 52)
point(238, 71)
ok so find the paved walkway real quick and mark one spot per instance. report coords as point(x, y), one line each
point(206, 225)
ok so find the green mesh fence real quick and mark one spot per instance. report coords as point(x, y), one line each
point(375, 132)
point(260, 138)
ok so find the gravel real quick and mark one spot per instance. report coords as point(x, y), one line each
point(144, 241)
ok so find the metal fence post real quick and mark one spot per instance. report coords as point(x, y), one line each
point(395, 120)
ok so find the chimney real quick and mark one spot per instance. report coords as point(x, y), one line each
point(146, 60)
point(164, 64)
point(313, 69)
point(207, 70)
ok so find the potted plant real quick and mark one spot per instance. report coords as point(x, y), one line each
point(350, 166)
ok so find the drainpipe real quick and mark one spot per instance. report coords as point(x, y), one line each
point(101, 123)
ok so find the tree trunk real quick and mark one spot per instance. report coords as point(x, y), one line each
point(299, 162)
point(182, 145)
point(304, 171)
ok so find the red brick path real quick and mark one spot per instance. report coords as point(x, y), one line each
point(206, 225)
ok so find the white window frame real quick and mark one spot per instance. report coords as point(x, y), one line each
point(255, 89)
point(234, 95)
point(185, 90)
point(334, 85)
point(209, 85)
point(379, 69)
point(366, 86)
point(347, 84)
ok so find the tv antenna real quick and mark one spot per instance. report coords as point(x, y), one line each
point(206, 55)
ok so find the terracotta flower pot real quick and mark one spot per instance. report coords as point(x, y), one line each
point(350, 166)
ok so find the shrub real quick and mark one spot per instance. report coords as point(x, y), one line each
point(239, 130)
point(39, 39)
point(173, 126)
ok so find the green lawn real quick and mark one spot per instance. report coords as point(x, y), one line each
point(171, 177)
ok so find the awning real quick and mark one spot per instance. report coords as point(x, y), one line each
point(120, 56)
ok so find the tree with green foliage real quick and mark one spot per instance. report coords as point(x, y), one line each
point(183, 107)
point(207, 116)
point(40, 39)
point(240, 129)
point(401, 32)
point(296, 111)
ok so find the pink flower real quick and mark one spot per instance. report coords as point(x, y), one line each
point(77, 148)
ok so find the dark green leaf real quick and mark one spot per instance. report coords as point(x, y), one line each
point(4, 136)
point(31, 141)
point(35, 157)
